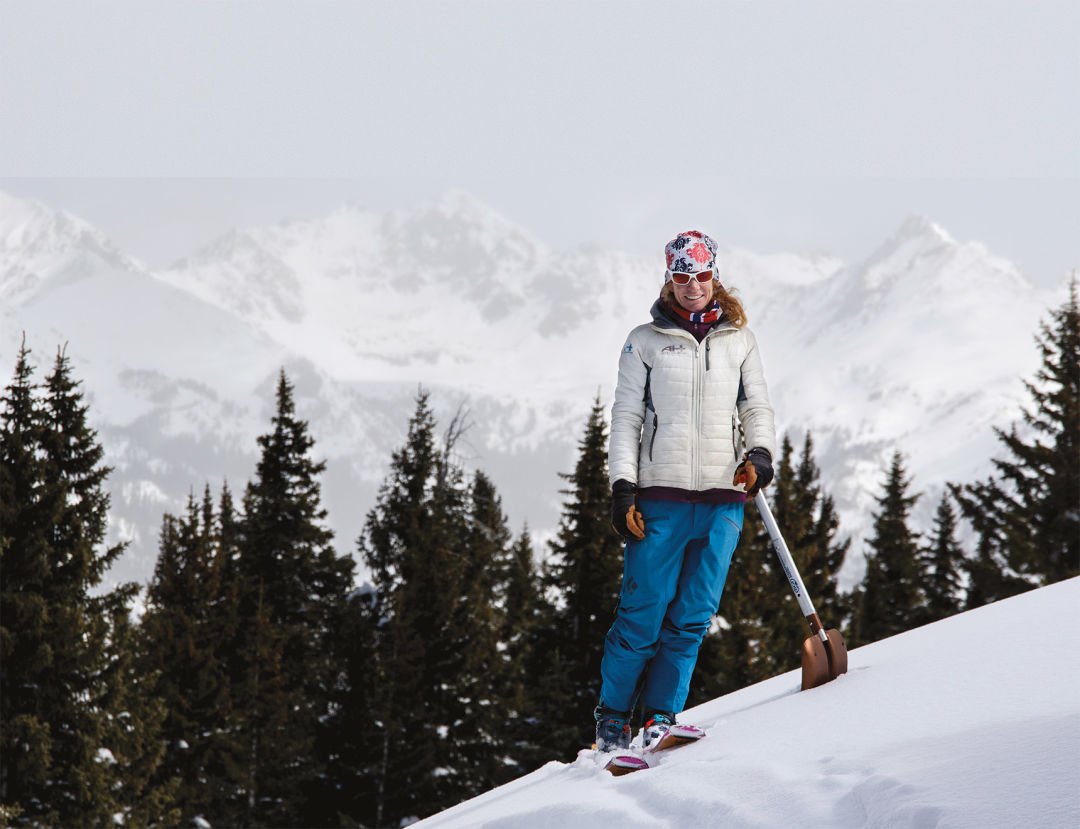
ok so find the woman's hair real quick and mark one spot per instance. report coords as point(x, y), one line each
point(729, 303)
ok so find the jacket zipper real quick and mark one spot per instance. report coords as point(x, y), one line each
point(695, 405)
point(698, 393)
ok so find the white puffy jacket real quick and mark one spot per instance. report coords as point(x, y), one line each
point(673, 423)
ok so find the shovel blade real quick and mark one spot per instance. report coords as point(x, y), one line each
point(822, 662)
point(815, 663)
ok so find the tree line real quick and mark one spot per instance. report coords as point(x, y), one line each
point(261, 686)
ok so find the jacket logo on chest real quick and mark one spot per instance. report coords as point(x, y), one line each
point(676, 349)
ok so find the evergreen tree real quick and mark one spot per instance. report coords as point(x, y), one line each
point(397, 546)
point(75, 751)
point(186, 632)
point(353, 740)
point(435, 547)
point(584, 575)
point(25, 653)
point(943, 561)
point(26, 515)
point(808, 520)
point(783, 627)
point(890, 598)
point(227, 753)
point(1026, 514)
point(521, 696)
point(293, 589)
point(762, 627)
point(135, 729)
point(481, 727)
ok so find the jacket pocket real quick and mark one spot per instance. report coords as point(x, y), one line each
point(652, 439)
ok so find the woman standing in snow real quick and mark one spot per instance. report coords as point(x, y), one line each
point(679, 484)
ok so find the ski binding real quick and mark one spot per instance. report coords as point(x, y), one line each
point(677, 735)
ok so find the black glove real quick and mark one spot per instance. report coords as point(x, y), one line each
point(755, 471)
point(625, 516)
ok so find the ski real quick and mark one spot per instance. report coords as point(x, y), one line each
point(622, 764)
point(677, 735)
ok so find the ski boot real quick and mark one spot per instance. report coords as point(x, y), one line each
point(612, 729)
point(657, 724)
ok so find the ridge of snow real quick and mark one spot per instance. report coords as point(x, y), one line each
point(925, 355)
point(972, 721)
point(40, 247)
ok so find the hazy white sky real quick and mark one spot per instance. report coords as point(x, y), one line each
point(774, 126)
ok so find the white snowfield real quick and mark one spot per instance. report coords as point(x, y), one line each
point(970, 722)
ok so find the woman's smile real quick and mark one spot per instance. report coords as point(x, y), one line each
point(693, 296)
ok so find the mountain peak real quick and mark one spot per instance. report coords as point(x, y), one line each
point(918, 244)
point(919, 227)
point(24, 223)
point(455, 200)
point(460, 208)
point(37, 242)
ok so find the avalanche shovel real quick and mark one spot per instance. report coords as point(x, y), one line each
point(824, 654)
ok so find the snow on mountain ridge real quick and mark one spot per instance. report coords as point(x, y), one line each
point(895, 340)
point(529, 337)
point(919, 348)
point(39, 246)
point(914, 259)
point(422, 274)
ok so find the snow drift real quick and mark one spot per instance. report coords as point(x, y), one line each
point(971, 721)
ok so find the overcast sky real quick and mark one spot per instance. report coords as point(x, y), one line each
point(796, 126)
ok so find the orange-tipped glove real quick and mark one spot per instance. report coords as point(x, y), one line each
point(755, 471)
point(625, 516)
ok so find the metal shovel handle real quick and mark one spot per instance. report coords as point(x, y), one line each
point(790, 570)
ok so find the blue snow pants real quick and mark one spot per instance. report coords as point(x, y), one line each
point(672, 581)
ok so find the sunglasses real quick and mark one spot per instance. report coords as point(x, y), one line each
point(680, 278)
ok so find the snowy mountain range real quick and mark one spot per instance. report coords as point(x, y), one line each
point(928, 728)
point(921, 347)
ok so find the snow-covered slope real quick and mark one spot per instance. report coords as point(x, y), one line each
point(921, 348)
point(970, 722)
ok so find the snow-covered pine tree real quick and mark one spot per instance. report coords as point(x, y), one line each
point(890, 598)
point(1026, 515)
